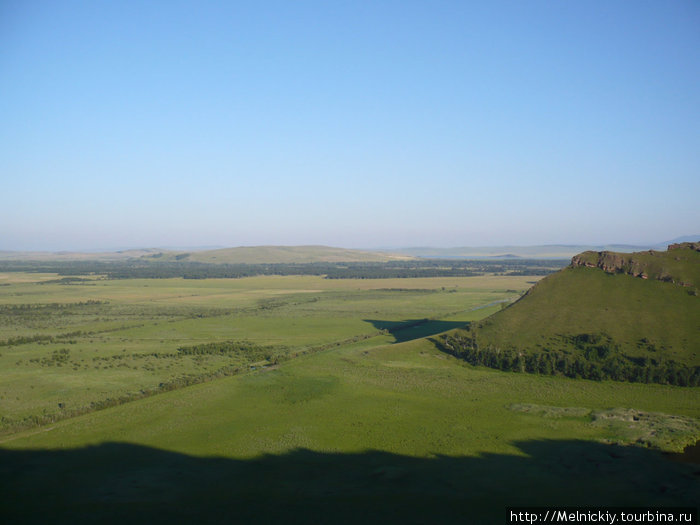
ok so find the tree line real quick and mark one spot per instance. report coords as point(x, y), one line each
point(600, 362)
point(140, 269)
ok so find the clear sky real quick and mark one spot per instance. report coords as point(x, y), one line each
point(347, 123)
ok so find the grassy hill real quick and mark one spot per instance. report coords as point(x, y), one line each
point(238, 255)
point(277, 254)
point(639, 312)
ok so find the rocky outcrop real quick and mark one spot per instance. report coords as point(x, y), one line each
point(678, 265)
point(683, 245)
point(612, 262)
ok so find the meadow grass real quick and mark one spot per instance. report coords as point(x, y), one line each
point(406, 398)
point(387, 429)
point(67, 347)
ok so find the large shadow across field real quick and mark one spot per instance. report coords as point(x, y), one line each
point(123, 483)
point(414, 328)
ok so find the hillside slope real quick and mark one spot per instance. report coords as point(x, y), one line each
point(624, 316)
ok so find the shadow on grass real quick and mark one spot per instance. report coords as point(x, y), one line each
point(414, 328)
point(123, 483)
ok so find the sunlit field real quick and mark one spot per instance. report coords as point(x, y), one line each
point(288, 398)
point(69, 348)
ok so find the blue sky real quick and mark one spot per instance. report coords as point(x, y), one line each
point(355, 124)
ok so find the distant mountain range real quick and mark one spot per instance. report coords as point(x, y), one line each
point(685, 238)
point(543, 251)
point(307, 254)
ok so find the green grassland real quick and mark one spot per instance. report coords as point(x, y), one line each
point(300, 399)
point(380, 433)
point(367, 395)
point(67, 347)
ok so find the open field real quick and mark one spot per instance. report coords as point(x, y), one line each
point(67, 348)
point(406, 398)
point(338, 407)
point(395, 433)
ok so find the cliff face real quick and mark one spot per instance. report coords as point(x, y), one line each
point(612, 262)
point(678, 265)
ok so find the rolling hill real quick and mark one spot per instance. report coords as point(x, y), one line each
point(608, 315)
point(238, 255)
point(121, 255)
point(277, 254)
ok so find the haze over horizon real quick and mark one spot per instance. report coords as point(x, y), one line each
point(388, 249)
point(361, 124)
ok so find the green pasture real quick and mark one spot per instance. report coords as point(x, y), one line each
point(67, 347)
point(407, 398)
point(358, 418)
point(382, 433)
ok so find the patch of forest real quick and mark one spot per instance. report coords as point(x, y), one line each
point(597, 357)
